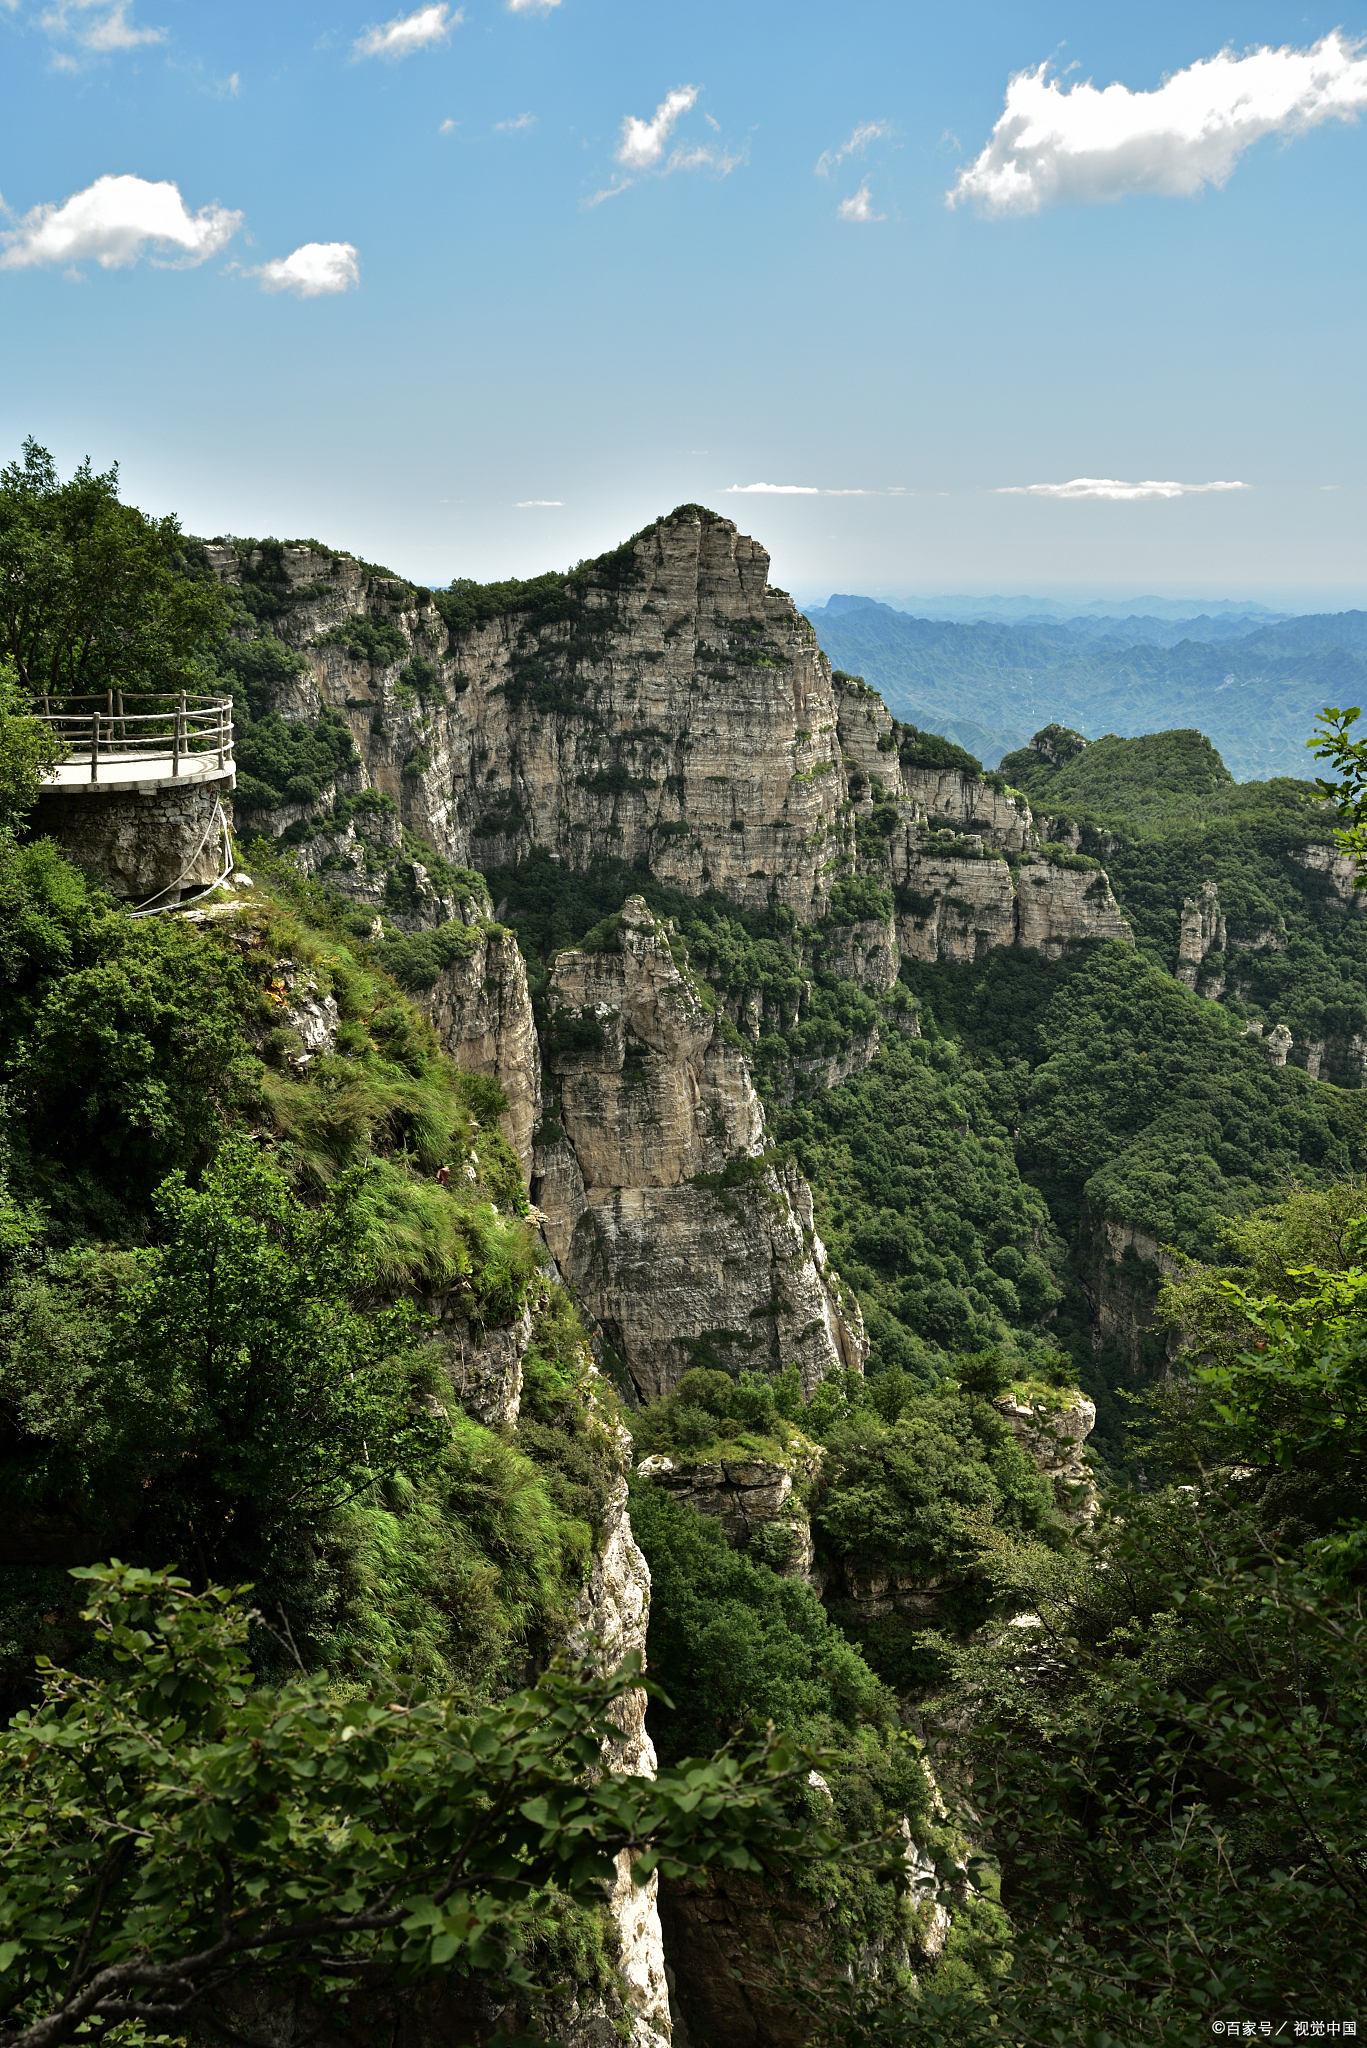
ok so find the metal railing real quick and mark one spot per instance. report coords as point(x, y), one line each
point(135, 728)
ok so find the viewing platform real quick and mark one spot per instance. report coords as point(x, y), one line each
point(131, 742)
point(143, 798)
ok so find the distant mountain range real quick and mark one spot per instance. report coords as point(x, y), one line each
point(1252, 681)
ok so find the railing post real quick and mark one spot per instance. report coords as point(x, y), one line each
point(175, 744)
point(123, 729)
point(94, 746)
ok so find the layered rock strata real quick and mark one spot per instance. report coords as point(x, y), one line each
point(1058, 907)
point(657, 1202)
point(481, 1009)
point(665, 705)
point(750, 1496)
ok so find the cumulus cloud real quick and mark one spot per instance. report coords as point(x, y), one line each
point(313, 270)
point(1054, 144)
point(115, 221)
point(864, 134)
point(859, 206)
point(519, 121)
point(1110, 487)
point(643, 143)
point(407, 33)
point(531, 6)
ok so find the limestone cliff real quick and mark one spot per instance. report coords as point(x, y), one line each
point(482, 1011)
point(678, 1237)
point(1056, 907)
point(1052, 1433)
point(665, 705)
point(751, 1496)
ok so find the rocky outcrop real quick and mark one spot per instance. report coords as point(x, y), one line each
point(611, 1617)
point(484, 1368)
point(1123, 1267)
point(1052, 1437)
point(1279, 1043)
point(664, 704)
point(1339, 870)
point(1058, 907)
point(677, 1235)
point(481, 1009)
point(810, 1074)
point(751, 1496)
point(866, 952)
point(1203, 932)
point(951, 907)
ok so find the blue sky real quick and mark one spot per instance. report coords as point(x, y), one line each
point(392, 307)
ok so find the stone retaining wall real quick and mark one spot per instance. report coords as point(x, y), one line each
point(138, 841)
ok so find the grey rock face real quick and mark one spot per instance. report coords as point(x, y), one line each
point(1058, 907)
point(484, 1368)
point(481, 1009)
point(1053, 1438)
point(654, 1198)
point(1203, 931)
point(747, 1495)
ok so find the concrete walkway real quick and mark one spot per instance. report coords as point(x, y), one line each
point(137, 771)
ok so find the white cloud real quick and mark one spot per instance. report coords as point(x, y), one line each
point(510, 127)
point(117, 220)
point(641, 148)
point(864, 134)
point(859, 206)
point(95, 27)
point(643, 142)
point(1055, 144)
point(448, 127)
point(531, 6)
point(407, 33)
point(526, 504)
point(312, 270)
point(1109, 487)
point(811, 490)
point(114, 31)
point(99, 25)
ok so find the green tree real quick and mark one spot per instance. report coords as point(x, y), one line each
point(1334, 744)
point(121, 1044)
point(29, 750)
point(177, 1844)
point(243, 1393)
point(93, 593)
point(1166, 1766)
